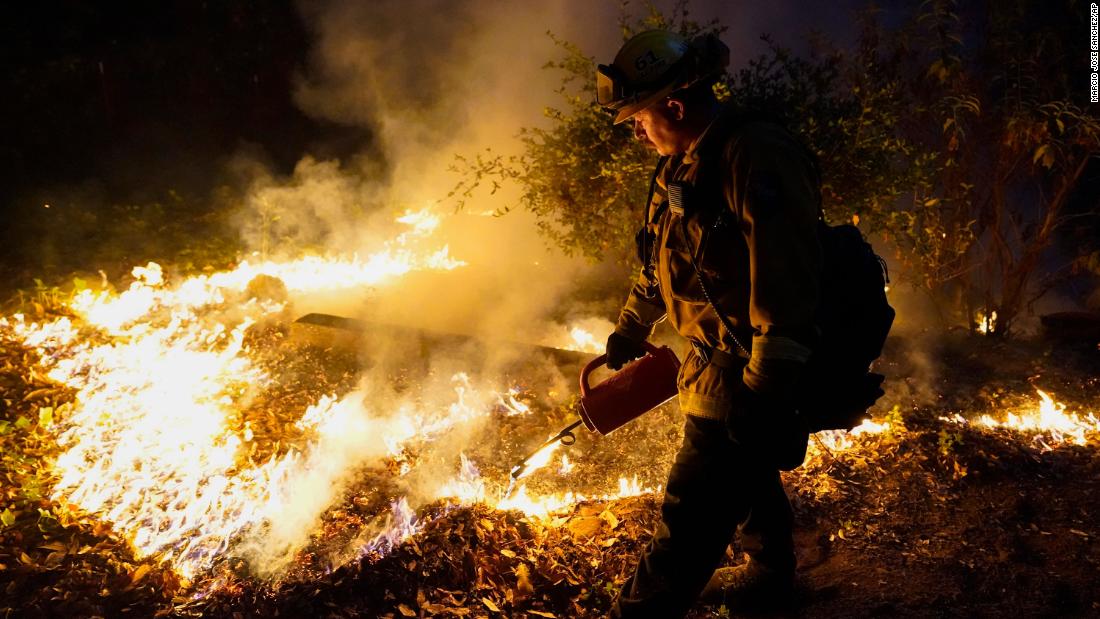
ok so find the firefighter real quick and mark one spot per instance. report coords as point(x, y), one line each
point(731, 258)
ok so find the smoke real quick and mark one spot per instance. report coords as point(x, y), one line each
point(910, 360)
point(366, 429)
point(427, 80)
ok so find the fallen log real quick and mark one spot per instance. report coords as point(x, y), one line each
point(350, 334)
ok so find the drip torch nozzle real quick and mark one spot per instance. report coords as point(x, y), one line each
point(566, 437)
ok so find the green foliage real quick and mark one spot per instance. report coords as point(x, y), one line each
point(895, 419)
point(1006, 148)
point(962, 152)
point(846, 115)
point(948, 441)
point(584, 178)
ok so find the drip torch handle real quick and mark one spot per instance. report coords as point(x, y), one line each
point(566, 437)
point(601, 360)
point(566, 433)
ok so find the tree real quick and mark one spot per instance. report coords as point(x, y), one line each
point(953, 136)
point(989, 92)
point(586, 179)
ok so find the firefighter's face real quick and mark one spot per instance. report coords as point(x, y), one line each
point(660, 126)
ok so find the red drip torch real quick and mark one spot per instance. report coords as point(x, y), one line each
point(638, 388)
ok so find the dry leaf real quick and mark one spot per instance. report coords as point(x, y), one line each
point(508, 553)
point(405, 610)
point(490, 605)
point(609, 518)
point(523, 582)
point(139, 573)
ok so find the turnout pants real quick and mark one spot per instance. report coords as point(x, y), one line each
point(716, 487)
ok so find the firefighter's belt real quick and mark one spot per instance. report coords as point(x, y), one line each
point(718, 358)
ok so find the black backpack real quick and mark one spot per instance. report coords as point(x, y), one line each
point(854, 318)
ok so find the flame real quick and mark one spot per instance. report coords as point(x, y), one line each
point(467, 486)
point(1051, 424)
point(584, 341)
point(986, 324)
point(539, 459)
point(310, 274)
point(843, 440)
point(566, 466)
point(511, 405)
point(548, 505)
point(424, 222)
point(160, 372)
point(580, 336)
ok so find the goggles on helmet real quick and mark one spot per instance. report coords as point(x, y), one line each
point(611, 86)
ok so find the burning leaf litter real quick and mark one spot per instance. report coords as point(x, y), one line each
point(161, 373)
point(144, 395)
point(1049, 423)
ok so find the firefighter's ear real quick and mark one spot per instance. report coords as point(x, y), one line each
point(674, 108)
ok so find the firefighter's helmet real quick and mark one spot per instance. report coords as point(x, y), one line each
point(652, 65)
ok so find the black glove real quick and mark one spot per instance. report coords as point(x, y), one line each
point(621, 350)
point(770, 426)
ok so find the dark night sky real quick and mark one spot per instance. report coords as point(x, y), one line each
point(128, 99)
point(146, 95)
